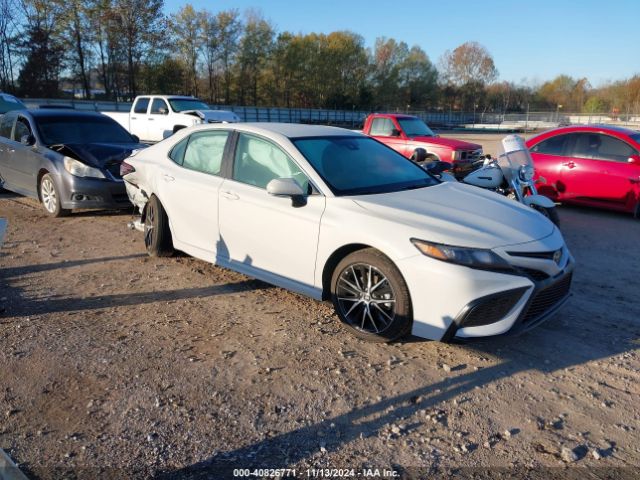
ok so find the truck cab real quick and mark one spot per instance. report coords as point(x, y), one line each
point(408, 134)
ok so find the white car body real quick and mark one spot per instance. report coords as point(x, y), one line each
point(147, 122)
point(242, 227)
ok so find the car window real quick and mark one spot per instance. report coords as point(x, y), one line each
point(258, 161)
point(205, 151)
point(6, 124)
point(382, 127)
point(177, 152)
point(602, 147)
point(159, 107)
point(551, 146)
point(22, 128)
point(141, 105)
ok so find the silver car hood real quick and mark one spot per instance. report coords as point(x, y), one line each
point(457, 214)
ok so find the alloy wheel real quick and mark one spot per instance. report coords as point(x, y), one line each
point(365, 298)
point(48, 193)
point(149, 231)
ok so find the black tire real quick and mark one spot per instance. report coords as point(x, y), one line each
point(49, 194)
point(157, 235)
point(178, 127)
point(636, 214)
point(550, 213)
point(364, 312)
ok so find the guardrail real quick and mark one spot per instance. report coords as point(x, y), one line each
point(355, 118)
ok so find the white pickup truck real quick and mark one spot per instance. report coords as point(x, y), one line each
point(155, 117)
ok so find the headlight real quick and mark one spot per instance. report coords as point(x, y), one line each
point(469, 257)
point(79, 169)
point(456, 155)
point(526, 173)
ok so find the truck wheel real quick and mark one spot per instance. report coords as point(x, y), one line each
point(636, 214)
point(370, 296)
point(178, 127)
point(50, 197)
point(157, 235)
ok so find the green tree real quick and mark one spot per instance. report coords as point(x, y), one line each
point(255, 48)
point(187, 30)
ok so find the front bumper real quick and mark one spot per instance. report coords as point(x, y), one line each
point(83, 192)
point(456, 302)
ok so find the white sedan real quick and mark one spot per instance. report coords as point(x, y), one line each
point(338, 216)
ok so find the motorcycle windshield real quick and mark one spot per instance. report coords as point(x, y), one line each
point(512, 155)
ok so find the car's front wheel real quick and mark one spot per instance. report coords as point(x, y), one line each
point(370, 296)
point(157, 236)
point(50, 197)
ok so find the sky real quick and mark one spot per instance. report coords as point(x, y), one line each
point(530, 41)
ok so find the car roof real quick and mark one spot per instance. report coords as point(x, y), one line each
point(614, 130)
point(289, 130)
point(62, 112)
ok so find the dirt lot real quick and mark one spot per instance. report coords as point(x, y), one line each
point(113, 364)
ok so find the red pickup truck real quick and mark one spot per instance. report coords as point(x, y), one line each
point(407, 135)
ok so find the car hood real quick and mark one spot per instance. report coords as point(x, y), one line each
point(214, 115)
point(460, 215)
point(448, 142)
point(99, 154)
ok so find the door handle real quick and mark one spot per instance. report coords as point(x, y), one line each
point(230, 195)
point(150, 119)
point(168, 178)
point(569, 164)
point(134, 118)
point(634, 179)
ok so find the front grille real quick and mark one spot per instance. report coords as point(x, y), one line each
point(470, 155)
point(541, 255)
point(537, 275)
point(114, 169)
point(547, 298)
point(492, 308)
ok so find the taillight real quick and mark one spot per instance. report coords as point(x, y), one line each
point(126, 168)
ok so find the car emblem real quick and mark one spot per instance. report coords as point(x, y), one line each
point(557, 256)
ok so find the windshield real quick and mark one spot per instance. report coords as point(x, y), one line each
point(513, 154)
point(183, 104)
point(414, 127)
point(81, 129)
point(9, 102)
point(361, 165)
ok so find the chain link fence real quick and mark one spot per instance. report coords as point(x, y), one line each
point(355, 118)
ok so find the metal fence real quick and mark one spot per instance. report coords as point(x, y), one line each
point(355, 118)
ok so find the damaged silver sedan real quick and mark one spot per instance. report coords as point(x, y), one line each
point(66, 159)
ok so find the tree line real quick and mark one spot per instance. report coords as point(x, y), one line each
point(117, 49)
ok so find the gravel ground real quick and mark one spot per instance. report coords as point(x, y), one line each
point(117, 365)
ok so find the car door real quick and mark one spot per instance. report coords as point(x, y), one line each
point(548, 159)
point(265, 233)
point(599, 169)
point(188, 186)
point(24, 160)
point(383, 129)
point(138, 123)
point(7, 148)
point(158, 120)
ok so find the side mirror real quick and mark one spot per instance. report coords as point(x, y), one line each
point(28, 140)
point(287, 187)
point(634, 160)
point(136, 138)
point(419, 155)
point(395, 132)
point(436, 168)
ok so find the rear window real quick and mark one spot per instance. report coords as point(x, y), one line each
point(141, 105)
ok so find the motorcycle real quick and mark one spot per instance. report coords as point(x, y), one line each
point(511, 175)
